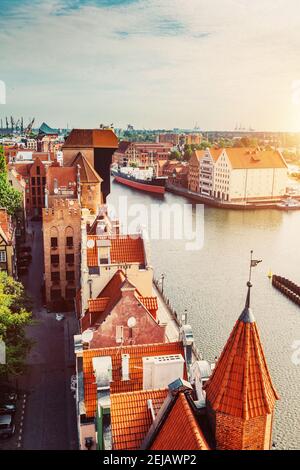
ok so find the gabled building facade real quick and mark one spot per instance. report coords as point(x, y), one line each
point(120, 315)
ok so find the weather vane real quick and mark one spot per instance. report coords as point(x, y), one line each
point(253, 263)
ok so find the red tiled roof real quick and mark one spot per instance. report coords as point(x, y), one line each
point(123, 146)
point(180, 431)
point(149, 302)
point(136, 353)
point(98, 305)
point(22, 168)
point(241, 385)
point(131, 418)
point(91, 138)
point(107, 299)
point(124, 249)
point(65, 176)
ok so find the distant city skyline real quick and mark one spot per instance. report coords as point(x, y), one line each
point(154, 64)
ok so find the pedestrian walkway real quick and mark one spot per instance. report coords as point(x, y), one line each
point(164, 316)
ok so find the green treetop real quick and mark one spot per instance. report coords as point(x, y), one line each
point(14, 317)
point(10, 198)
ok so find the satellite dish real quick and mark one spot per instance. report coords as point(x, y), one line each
point(87, 336)
point(90, 244)
point(131, 322)
point(55, 191)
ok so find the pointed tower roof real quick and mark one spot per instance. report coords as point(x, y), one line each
point(241, 384)
point(87, 173)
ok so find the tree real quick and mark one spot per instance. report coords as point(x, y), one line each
point(14, 317)
point(176, 155)
point(187, 152)
point(204, 145)
point(10, 198)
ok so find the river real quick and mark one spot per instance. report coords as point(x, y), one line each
point(211, 284)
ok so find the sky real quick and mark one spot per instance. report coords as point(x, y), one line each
point(152, 63)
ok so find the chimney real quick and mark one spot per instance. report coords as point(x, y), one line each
point(125, 366)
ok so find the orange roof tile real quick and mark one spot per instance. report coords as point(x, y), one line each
point(131, 418)
point(109, 297)
point(181, 430)
point(149, 302)
point(253, 158)
point(214, 152)
point(98, 305)
point(91, 138)
point(241, 385)
point(136, 353)
point(124, 249)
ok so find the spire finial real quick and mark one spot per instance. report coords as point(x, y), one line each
point(247, 315)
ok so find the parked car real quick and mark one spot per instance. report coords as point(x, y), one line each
point(7, 408)
point(7, 394)
point(59, 316)
point(7, 428)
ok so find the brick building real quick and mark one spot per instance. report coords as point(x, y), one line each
point(61, 237)
point(120, 315)
point(90, 184)
point(97, 146)
point(141, 154)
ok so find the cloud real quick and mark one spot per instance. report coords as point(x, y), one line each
point(153, 63)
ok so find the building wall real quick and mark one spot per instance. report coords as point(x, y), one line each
point(194, 174)
point(61, 221)
point(222, 178)
point(91, 196)
point(146, 331)
point(141, 278)
point(258, 183)
point(206, 175)
point(232, 433)
point(35, 198)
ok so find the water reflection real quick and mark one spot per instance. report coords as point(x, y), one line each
point(210, 284)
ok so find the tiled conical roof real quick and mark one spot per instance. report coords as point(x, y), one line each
point(241, 385)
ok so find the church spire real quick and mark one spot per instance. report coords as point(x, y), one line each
point(240, 388)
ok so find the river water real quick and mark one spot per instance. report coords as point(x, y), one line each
point(211, 284)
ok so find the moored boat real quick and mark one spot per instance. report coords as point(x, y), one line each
point(143, 180)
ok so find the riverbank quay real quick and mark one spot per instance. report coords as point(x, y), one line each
point(172, 318)
point(275, 204)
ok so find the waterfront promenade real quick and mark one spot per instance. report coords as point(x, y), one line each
point(209, 201)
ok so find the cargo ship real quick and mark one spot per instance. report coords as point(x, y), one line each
point(141, 179)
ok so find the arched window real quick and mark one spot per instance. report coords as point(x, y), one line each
point(69, 235)
point(54, 237)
